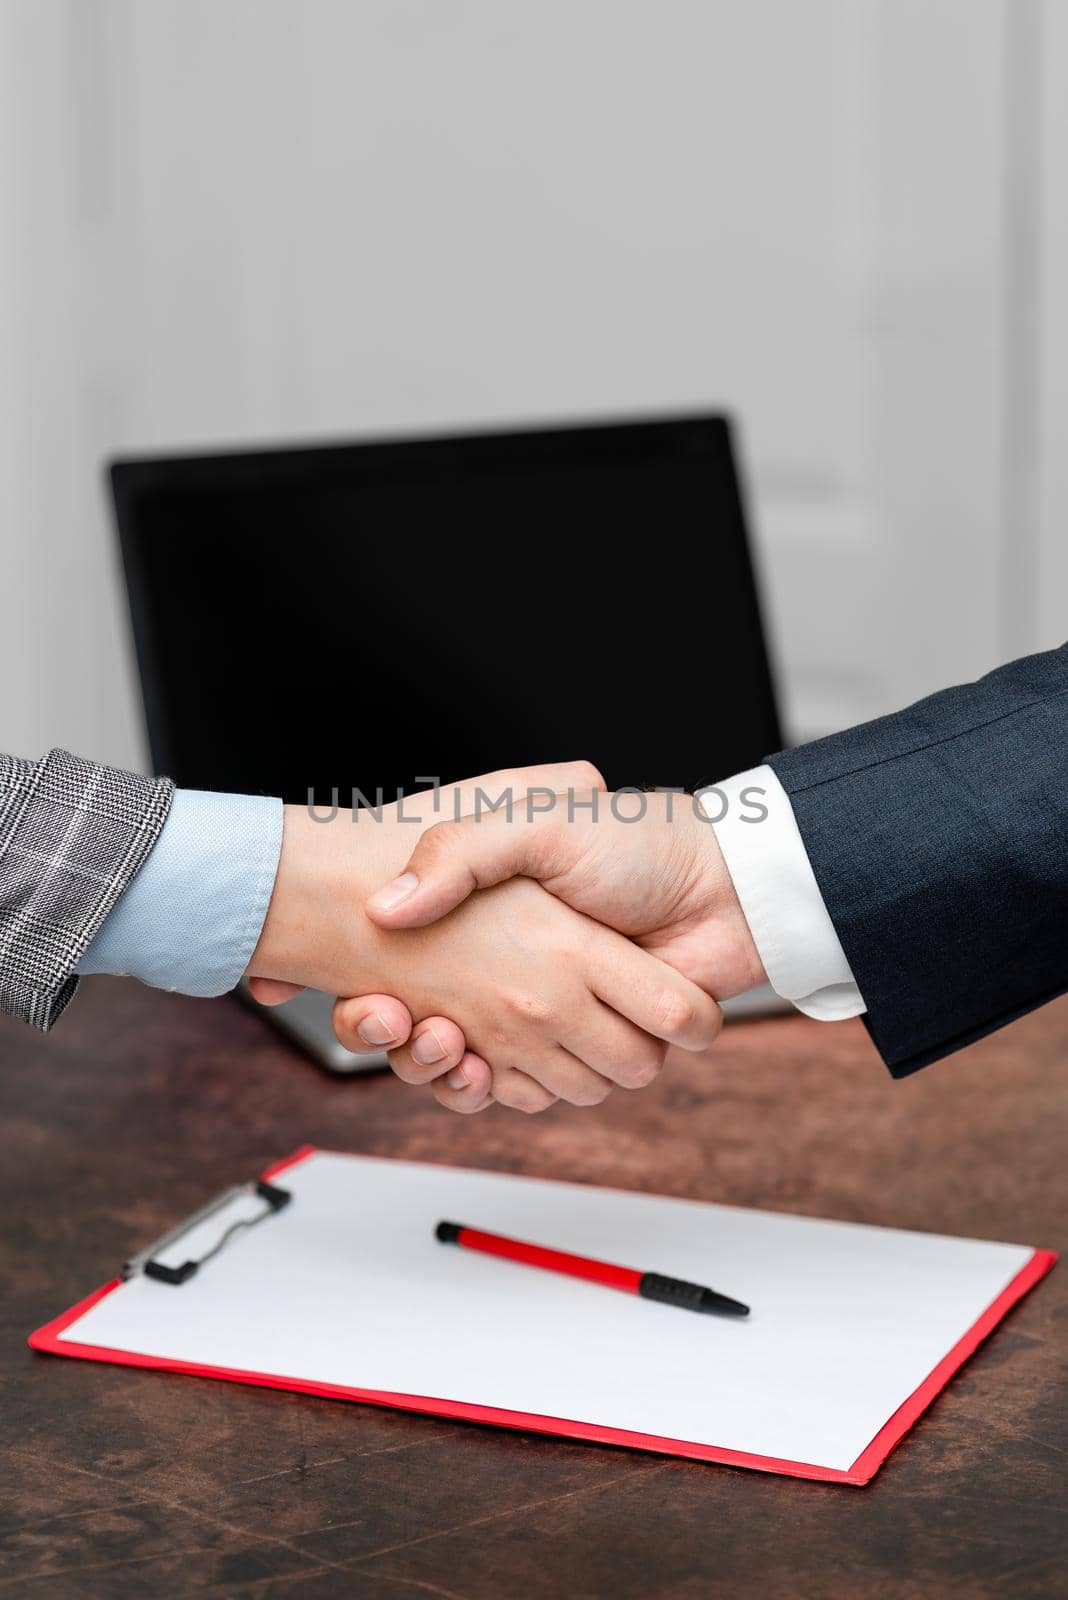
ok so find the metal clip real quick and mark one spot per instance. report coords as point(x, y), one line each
point(145, 1261)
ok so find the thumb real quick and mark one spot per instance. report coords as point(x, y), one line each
point(453, 859)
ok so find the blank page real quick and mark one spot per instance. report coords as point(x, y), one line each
point(348, 1286)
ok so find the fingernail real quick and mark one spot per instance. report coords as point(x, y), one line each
point(457, 1078)
point(427, 1049)
point(375, 1030)
point(394, 892)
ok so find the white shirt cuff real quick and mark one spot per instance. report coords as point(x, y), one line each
point(767, 860)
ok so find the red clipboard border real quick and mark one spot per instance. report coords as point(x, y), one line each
point(47, 1339)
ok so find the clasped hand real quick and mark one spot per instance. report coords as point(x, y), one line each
point(548, 950)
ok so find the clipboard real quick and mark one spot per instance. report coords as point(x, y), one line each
point(324, 1277)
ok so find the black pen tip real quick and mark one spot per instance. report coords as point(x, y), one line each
point(721, 1305)
point(447, 1232)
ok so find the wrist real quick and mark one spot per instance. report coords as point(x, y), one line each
point(729, 952)
point(315, 932)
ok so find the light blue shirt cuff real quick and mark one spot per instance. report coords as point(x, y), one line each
point(192, 916)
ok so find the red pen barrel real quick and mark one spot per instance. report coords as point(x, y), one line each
point(536, 1255)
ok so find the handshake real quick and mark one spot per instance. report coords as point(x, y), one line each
point(547, 942)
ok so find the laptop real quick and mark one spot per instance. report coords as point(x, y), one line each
point(470, 602)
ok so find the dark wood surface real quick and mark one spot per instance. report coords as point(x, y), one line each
point(122, 1483)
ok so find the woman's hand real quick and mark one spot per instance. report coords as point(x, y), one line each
point(434, 1050)
point(562, 1007)
point(431, 1052)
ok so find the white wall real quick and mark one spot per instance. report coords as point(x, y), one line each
point(1049, 337)
point(229, 220)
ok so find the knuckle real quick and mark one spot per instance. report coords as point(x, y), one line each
point(436, 842)
point(715, 1025)
point(591, 1092)
point(501, 778)
point(450, 1102)
point(532, 1107)
point(514, 780)
point(645, 1065)
point(530, 1008)
point(565, 946)
point(589, 775)
point(520, 1093)
point(506, 1087)
point(676, 1012)
point(404, 1068)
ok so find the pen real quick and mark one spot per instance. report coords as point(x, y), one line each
point(650, 1285)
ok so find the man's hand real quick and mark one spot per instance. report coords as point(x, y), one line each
point(659, 878)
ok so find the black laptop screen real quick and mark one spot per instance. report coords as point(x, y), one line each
point(373, 615)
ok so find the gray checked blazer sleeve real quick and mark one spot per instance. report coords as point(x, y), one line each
point(73, 836)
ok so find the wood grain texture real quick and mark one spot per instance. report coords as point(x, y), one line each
point(118, 1483)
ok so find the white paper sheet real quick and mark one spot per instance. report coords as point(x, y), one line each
point(348, 1286)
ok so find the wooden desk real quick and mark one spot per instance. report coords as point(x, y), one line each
point(121, 1483)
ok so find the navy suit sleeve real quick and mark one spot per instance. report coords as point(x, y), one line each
point(939, 839)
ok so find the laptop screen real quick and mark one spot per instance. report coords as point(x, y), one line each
point(372, 616)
